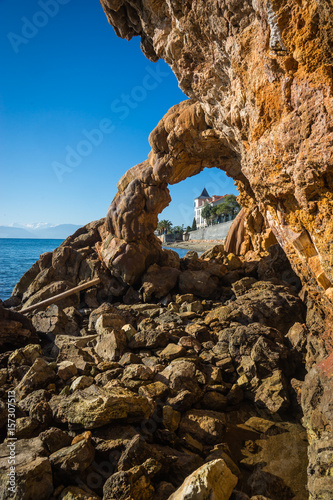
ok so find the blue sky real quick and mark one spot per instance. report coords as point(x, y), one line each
point(77, 105)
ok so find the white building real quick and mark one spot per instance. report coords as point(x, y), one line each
point(200, 202)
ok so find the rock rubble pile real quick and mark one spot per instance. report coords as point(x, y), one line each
point(191, 382)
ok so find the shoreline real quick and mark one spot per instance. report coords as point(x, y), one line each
point(195, 245)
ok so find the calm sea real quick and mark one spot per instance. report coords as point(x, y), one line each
point(16, 257)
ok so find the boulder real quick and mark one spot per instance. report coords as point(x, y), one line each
point(54, 439)
point(25, 355)
point(95, 406)
point(271, 304)
point(37, 377)
point(158, 281)
point(16, 330)
point(75, 493)
point(199, 283)
point(72, 459)
point(272, 394)
point(111, 346)
point(54, 321)
point(106, 323)
point(212, 480)
point(66, 370)
point(204, 425)
point(33, 474)
point(133, 484)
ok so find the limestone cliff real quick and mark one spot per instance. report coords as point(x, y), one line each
point(259, 74)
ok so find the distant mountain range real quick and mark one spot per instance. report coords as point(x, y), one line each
point(38, 230)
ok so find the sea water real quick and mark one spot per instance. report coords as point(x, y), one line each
point(17, 256)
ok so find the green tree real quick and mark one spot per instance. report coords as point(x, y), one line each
point(194, 224)
point(164, 226)
point(178, 229)
point(229, 206)
point(188, 229)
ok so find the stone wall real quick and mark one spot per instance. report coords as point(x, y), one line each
point(216, 232)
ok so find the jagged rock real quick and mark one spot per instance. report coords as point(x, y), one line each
point(171, 418)
point(297, 336)
point(213, 480)
point(75, 493)
point(103, 378)
point(172, 351)
point(54, 321)
point(137, 372)
point(41, 412)
point(179, 375)
point(158, 281)
point(66, 370)
point(154, 390)
point(129, 358)
point(27, 427)
point(129, 331)
point(136, 452)
point(81, 358)
point(54, 439)
point(273, 393)
point(199, 283)
point(271, 304)
point(95, 406)
point(106, 323)
point(133, 484)
point(111, 345)
point(316, 405)
point(29, 402)
point(204, 425)
point(149, 339)
point(72, 459)
point(40, 293)
point(16, 330)
point(25, 356)
point(37, 377)
point(33, 474)
point(81, 383)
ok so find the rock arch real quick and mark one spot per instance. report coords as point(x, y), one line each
point(262, 73)
point(183, 144)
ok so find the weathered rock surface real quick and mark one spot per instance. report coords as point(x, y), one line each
point(33, 474)
point(213, 480)
point(94, 407)
point(160, 390)
point(258, 75)
point(16, 330)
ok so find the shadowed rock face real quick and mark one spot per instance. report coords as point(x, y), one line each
point(260, 75)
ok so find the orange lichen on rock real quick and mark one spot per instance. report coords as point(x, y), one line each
point(259, 74)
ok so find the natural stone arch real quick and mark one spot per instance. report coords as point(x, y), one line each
point(262, 72)
point(183, 144)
